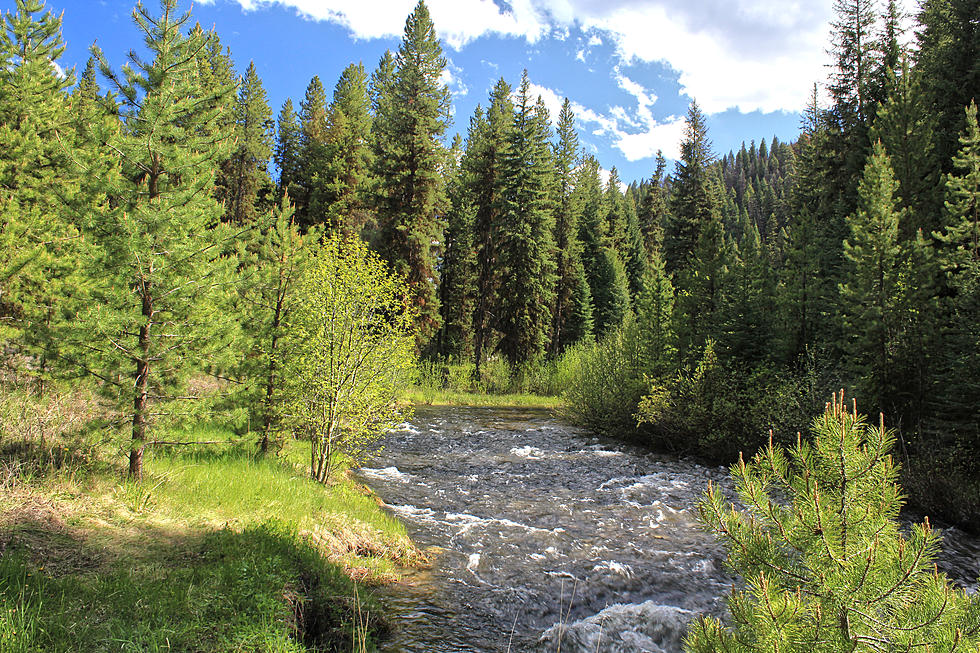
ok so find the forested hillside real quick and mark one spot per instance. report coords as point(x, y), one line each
point(153, 218)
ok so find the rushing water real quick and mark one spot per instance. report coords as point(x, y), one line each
point(539, 530)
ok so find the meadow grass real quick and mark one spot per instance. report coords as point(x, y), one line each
point(217, 549)
point(444, 397)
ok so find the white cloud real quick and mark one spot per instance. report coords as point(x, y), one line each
point(451, 77)
point(747, 54)
point(638, 137)
point(458, 21)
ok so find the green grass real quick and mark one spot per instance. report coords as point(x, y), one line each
point(218, 549)
point(442, 397)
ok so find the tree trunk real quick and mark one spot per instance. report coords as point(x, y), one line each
point(141, 389)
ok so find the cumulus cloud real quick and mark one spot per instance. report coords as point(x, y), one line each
point(745, 54)
point(637, 136)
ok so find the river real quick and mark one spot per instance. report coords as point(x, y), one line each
point(547, 538)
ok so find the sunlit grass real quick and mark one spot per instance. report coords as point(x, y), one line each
point(434, 397)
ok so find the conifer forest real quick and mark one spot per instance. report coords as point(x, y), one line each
point(169, 243)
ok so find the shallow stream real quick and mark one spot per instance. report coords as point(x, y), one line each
point(535, 524)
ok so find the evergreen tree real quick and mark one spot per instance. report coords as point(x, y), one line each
point(311, 196)
point(349, 153)
point(654, 316)
point(572, 313)
point(411, 119)
point(245, 179)
point(870, 295)
point(458, 270)
point(287, 155)
point(157, 313)
point(692, 203)
point(268, 285)
point(485, 152)
point(615, 213)
point(38, 186)
point(907, 133)
point(634, 251)
point(526, 246)
point(946, 67)
point(825, 564)
point(748, 299)
point(652, 211)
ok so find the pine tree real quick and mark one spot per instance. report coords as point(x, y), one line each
point(946, 67)
point(654, 316)
point(959, 258)
point(268, 287)
point(634, 251)
point(907, 132)
point(572, 313)
point(486, 150)
point(748, 300)
point(411, 119)
point(157, 313)
point(349, 153)
point(458, 272)
point(652, 211)
point(311, 196)
point(38, 185)
point(870, 295)
point(525, 252)
point(245, 179)
point(692, 203)
point(287, 154)
point(825, 563)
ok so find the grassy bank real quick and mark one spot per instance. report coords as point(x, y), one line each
point(216, 550)
point(444, 397)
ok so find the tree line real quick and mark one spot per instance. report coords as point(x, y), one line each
point(146, 242)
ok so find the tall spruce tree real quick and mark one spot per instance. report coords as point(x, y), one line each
point(245, 176)
point(692, 202)
point(572, 312)
point(311, 195)
point(286, 155)
point(526, 247)
point(458, 271)
point(349, 153)
point(157, 312)
point(411, 118)
point(652, 210)
point(870, 296)
point(485, 152)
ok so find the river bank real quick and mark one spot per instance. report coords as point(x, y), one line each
point(217, 549)
point(544, 535)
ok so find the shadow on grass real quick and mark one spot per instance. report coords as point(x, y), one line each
point(262, 589)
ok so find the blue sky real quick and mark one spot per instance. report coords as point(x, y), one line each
point(630, 67)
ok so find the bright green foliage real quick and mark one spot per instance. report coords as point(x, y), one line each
point(410, 121)
point(525, 252)
point(245, 176)
point(349, 350)
point(611, 294)
point(572, 313)
point(486, 148)
point(381, 81)
point(156, 314)
point(38, 242)
point(907, 133)
point(693, 202)
point(349, 153)
point(824, 562)
point(458, 272)
point(286, 153)
point(269, 277)
point(871, 297)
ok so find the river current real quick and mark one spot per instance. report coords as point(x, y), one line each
point(547, 538)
